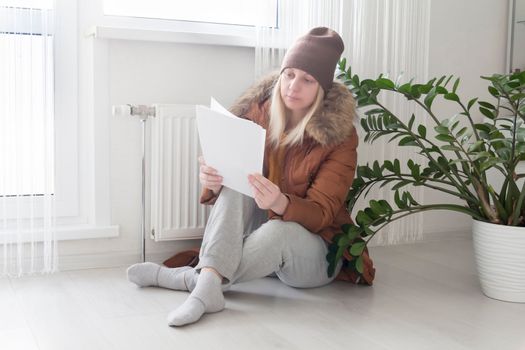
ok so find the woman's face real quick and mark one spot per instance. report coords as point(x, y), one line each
point(298, 89)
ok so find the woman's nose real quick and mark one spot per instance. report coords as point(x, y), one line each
point(293, 84)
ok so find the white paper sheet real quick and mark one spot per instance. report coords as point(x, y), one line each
point(232, 145)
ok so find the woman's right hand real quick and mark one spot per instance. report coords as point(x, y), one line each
point(209, 177)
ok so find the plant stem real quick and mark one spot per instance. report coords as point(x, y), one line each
point(409, 178)
point(421, 208)
point(461, 185)
point(467, 113)
point(429, 111)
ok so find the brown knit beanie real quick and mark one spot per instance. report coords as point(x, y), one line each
point(317, 53)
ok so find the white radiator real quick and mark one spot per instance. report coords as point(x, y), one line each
point(175, 189)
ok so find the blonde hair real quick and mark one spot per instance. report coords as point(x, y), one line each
point(278, 118)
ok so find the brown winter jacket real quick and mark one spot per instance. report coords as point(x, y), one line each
point(316, 175)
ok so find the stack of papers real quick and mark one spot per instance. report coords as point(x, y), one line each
point(232, 145)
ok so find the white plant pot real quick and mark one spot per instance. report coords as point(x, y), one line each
point(500, 260)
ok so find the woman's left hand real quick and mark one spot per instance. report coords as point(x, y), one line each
point(267, 194)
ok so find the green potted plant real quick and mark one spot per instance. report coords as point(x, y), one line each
point(458, 152)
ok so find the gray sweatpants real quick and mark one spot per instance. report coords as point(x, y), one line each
point(242, 245)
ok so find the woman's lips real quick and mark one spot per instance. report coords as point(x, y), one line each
point(292, 98)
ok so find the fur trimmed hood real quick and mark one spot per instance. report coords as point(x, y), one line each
point(331, 124)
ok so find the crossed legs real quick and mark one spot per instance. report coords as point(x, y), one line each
point(238, 246)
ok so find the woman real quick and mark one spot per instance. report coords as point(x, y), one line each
point(298, 203)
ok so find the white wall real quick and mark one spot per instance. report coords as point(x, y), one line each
point(147, 73)
point(519, 36)
point(467, 38)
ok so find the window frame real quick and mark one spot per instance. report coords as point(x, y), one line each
point(66, 110)
point(179, 21)
point(65, 103)
point(81, 198)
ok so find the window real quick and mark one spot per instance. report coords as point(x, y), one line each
point(73, 139)
point(239, 12)
point(38, 107)
point(26, 95)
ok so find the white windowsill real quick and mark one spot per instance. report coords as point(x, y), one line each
point(87, 232)
point(65, 233)
point(123, 33)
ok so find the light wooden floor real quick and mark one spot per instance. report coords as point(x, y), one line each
point(426, 296)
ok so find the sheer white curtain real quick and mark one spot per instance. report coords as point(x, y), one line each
point(391, 37)
point(294, 18)
point(27, 215)
point(381, 36)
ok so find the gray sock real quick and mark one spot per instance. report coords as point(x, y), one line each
point(207, 297)
point(150, 274)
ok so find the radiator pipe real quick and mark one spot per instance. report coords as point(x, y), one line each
point(143, 112)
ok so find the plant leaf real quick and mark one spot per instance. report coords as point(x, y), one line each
point(408, 141)
point(451, 97)
point(357, 248)
point(486, 105)
point(359, 265)
point(456, 84)
point(377, 207)
point(422, 131)
point(430, 98)
point(493, 91)
point(445, 138)
point(397, 166)
point(451, 148)
point(384, 83)
point(411, 121)
point(487, 113)
point(471, 103)
point(362, 218)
